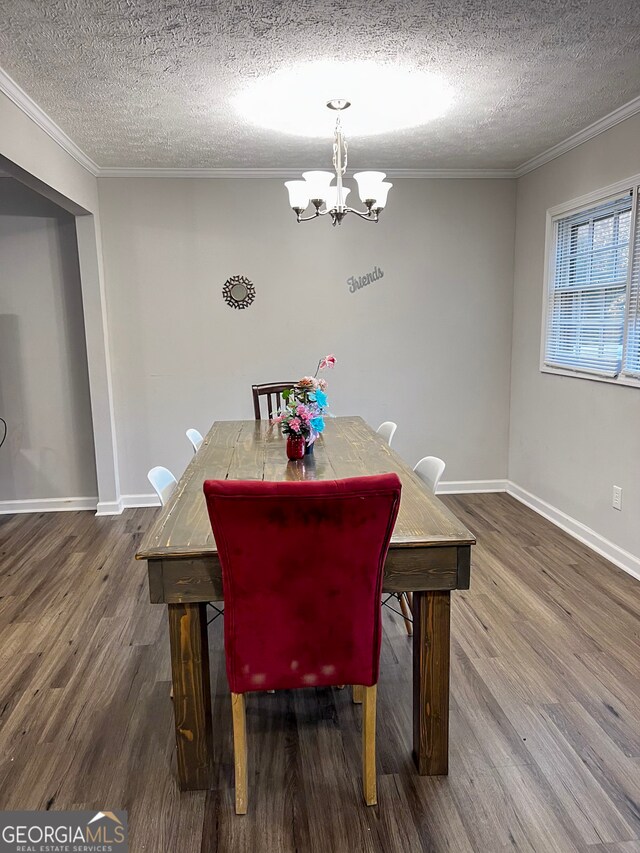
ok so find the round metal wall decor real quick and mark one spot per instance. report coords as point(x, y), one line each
point(238, 291)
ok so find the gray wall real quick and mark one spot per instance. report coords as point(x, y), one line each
point(571, 439)
point(427, 346)
point(44, 392)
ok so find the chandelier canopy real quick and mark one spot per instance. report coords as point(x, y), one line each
point(328, 198)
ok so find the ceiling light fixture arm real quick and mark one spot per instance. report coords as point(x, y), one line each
point(317, 202)
point(371, 215)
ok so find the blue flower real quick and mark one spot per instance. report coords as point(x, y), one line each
point(321, 398)
point(317, 423)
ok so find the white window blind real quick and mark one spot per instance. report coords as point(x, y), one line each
point(632, 346)
point(585, 320)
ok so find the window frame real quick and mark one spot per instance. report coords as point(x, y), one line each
point(569, 208)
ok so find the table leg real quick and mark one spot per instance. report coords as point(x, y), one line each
point(191, 694)
point(431, 637)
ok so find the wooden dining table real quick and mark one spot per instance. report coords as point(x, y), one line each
point(429, 555)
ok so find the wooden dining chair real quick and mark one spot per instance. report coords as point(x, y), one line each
point(302, 565)
point(273, 392)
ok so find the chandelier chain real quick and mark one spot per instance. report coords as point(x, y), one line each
point(339, 140)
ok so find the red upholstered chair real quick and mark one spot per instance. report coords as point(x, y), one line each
point(302, 566)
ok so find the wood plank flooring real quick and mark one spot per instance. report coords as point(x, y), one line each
point(545, 705)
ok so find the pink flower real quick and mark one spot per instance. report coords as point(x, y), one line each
point(322, 384)
point(277, 419)
point(295, 424)
point(303, 412)
point(328, 361)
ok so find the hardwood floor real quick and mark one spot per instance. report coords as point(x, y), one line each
point(545, 705)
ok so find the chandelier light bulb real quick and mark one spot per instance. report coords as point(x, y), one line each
point(298, 194)
point(382, 193)
point(318, 184)
point(332, 197)
point(369, 185)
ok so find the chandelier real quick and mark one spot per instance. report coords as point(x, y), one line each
point(330, 199)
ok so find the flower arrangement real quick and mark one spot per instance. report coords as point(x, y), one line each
point(305, 405)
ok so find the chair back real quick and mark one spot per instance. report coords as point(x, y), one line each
point(163, 482)
point(387, 430)
point(430, 469)
point(195, 438)
point(273, 392)
point(302, 566)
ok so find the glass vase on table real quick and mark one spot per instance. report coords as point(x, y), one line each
point(295, 447)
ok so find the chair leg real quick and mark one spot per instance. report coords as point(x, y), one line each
point(357, 694)
point(240, 750)
point(369, 786)
point(406, 612)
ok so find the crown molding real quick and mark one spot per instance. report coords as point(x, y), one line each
point(470, 174)
point(189, 172)
point(29, 107)
point(605, 123)
point(287, 174)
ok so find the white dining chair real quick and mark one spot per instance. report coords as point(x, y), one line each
point(195, 438)
point(163, 482)
point(387, 430)
point(430, 469)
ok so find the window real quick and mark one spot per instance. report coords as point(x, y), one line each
point(591, 324)
point(632, 344)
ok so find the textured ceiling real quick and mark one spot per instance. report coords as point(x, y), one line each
point(150, 82)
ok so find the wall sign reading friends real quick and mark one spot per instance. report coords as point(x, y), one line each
point(356, 282)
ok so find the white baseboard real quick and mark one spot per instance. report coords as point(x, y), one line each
point(468, 487)
point(109, 507)
point(78, 504)
point(612, 552)
point(129, 501)
point(48, 505)
point(618, 556)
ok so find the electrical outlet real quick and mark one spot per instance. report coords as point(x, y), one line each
point(616, 501)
